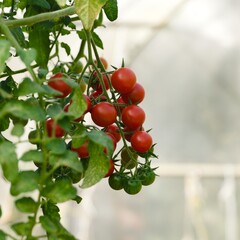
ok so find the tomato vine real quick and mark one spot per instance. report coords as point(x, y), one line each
point(45, 104)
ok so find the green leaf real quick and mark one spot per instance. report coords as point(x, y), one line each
point(28, 56)
point(88, 11)
point(8, 161)
point(56, 146)
point(97, 40)
point(98, 165)
point(27, 86)
point(4, 124)
point(100, 138)
point(0, 211)
point(79, 136)
point(54, 110)
point(17, 130)
point(66, 47)
point(111, 10)
point(22, 228)
point(19, 36)
point(51, 210)
point(32, 155)
point(48, 225)
point(39, 40)
point(7, 3)
point(4, 53)
point(40, 3)
point(26, 205)
point(2, 235)
point(60, 191)
point(77, 199)
point(29, 109)
point(78, 105)
point(26, 181)
point(68, 159)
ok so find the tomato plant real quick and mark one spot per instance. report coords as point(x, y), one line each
point(45, 103)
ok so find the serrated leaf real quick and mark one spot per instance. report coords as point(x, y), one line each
point(68, 159)
point(26, 205)
point(29, 109)
point(66, 48)
point(60, 191)
point(19, 36)
point(39, 40)
point(27, 86)
point(56, 146)
point(51, 210)
point(48, 224)
point(22, 228)
point(88, 11)
point(28, 56)
point(4, 53)
point(8, 161)
point(26, 181)
point(78, 105)
point(32, 155)
point(97, 167)
point(111, 10)
point(17, 130)
point(97, 40)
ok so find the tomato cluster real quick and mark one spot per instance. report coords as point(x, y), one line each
point(112, 102)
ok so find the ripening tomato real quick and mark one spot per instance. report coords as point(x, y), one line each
point(54, 129)
point(82, 151)
point(95, 81)
point(129, 158)
point(141, 141)
point(133, 117)
point(103, 61)
point(135, 96)
point(103, 114)
point(56, 82)
point(113, 129)
point(123, 80)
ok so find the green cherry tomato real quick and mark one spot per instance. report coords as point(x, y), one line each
point(115, 181)
point(129, 158)
point(132, 186)
point(147, 177)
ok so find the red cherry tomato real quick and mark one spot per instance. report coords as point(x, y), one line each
point(111, 169)
point(82, 151)
point(123, 80)
point(103, 114)
point(133, 117)
point(60, 85)
point(95, 81)
point(141, 141)
point(113, 129)
point(54, 129)
point(135, 96)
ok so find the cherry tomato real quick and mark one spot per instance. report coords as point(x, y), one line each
point(113, 129)
point(114, 141)
point(56, 82)
point(103, 61)
point(141, 141)
point(103, 114)
point(77, 67)
point(82, 151)
point(133, 117)
point(115, 181)
point(132, 186)
point(95, 81)
point(129, 158)
point(121, 104)
point(111, 168)
point(123, 80)
point(54, 129)
point(147, 177)
point(97, 96)
point(135, 96)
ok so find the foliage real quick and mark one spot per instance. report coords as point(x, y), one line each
point(45, 104)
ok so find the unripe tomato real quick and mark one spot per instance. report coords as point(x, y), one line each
point(132, 186)
point(54, 129)
point(129, 158)
point(103, 114)
point(77, 67)
point(141, 141)
point(115, 181)
point(133, 117)
point(135, 96)
point(123, 80)
point(56, 82)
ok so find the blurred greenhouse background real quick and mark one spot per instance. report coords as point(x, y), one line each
point(186, 53)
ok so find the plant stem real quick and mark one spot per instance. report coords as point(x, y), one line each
point(40, 17)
